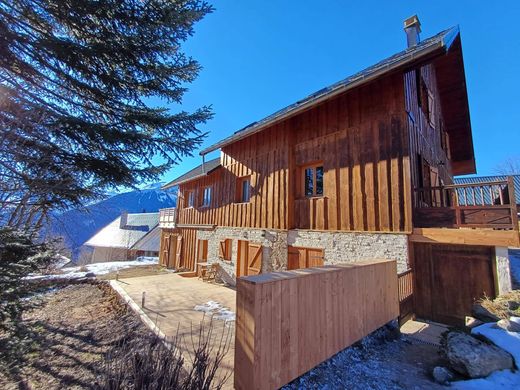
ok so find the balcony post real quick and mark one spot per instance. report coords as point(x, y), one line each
point(512, 202)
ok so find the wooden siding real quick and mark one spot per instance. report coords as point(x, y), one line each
point(449, 279)
point(425, 140)
point(289, 322)
point(361, 138)
point(179, 257)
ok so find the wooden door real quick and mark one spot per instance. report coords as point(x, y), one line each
point(165, 248)
point(254, 259)
point(242, 258)
point(202, 251)
point(178, 253)
point(249, 259)
point(449, 279)
point(172, 251)
point(304, 257)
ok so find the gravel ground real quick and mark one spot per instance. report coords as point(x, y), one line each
point(375, 363)
point(71, 331)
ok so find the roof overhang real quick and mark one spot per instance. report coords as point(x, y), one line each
point(406, 59)
point(189, 176)
point(451, 81)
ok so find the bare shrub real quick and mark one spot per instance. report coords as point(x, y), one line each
point(154, 363)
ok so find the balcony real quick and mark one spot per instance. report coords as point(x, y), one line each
point(168, 218)
point(442, 213)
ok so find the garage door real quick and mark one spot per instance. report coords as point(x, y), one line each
point(449, 279)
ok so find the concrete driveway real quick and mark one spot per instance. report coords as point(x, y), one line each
point(179, 304)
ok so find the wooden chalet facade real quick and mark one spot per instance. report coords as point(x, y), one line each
point(362, 169)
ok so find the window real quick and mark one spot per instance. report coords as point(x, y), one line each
point(224, 251)
point(206, 197)
point(425, 98)
point(313, 180)
point(190, 198)
point(244, 189)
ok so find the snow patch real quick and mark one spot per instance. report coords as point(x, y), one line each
point(96, 269)
point(217, 310)
point(508, 341)
point(503, 380)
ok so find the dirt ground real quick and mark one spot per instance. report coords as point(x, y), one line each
point(70, 332)
point(376, 365)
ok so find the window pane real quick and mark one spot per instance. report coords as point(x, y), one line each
point(309, 181)
point(207, 196)
point(319, 180)
point(245, 191)
point(190, 199)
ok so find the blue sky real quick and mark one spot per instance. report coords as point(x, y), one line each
point(259, 56)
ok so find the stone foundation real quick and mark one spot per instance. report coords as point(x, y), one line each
point(502, 271)
point(339, 247)
point(274, 246)
point(348, 247)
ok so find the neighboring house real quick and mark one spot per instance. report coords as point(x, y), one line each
point(360, 169)
point(127, 237)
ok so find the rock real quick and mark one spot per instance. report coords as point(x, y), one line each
point(442, 375)
point(472, 322)
point(90, 275)
point(483, 314)
point(510, 326)
point(474, 358)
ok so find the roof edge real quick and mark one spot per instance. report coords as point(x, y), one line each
point(315, 98)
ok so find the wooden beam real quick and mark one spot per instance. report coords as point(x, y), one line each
point(507, 238)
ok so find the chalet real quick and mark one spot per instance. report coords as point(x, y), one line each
point(126, 237)
point(361, 169)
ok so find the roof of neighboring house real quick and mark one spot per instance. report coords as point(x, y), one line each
point(115, 236)
point(195, 173)
point(149, 242)
point(406, 57)
point(487, 179)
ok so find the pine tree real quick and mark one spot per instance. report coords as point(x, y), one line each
point(76, 81)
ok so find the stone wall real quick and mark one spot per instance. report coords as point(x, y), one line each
point(502, 271)
point(339, 247)
point(274, 246)
point(347, 247)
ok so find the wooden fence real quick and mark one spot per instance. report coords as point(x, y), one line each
point(405, 287)
point(289, 322)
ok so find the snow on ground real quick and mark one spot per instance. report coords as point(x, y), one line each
point(503, 380)
point(514, 264)
point(216, 310)
point(508, 341)
point(96, 269)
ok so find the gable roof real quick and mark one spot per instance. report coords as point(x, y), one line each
point(149, 242)
point(487, 179)
point(195, 173)
point(437, 44)
point(115, 236)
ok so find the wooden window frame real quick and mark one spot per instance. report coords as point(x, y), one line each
point(313, 166)
point(240, 189)
point(187, 195)
point(203, 196)
point(225, 249)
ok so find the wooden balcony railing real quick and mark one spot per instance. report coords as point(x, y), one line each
point(168, 218)
point(482, 205)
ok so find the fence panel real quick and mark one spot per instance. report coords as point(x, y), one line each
point(289, 322)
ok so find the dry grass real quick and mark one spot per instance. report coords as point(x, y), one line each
point(504, 306)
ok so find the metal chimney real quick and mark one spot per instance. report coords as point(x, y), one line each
point(123, 220)
point(412, 28)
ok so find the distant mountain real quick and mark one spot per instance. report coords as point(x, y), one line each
point(77, 226)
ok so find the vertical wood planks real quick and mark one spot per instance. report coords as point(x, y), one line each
point(289, 322)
